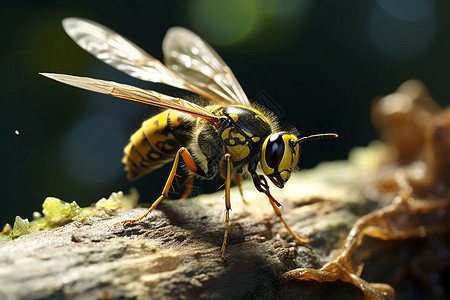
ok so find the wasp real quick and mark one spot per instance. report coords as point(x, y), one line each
point(228, 137)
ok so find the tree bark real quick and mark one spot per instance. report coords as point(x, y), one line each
point(174, 253)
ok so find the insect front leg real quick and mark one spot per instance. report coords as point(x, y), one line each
point(188, 187)
point(261, 185)
point(190, 163)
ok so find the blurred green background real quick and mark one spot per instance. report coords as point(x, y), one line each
point(318, 64)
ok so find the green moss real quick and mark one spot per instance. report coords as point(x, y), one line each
point(21, 227)
point(57, 213)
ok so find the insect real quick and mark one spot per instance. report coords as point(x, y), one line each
point(227, 138)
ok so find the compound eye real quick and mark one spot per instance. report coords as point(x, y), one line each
point(274, 150)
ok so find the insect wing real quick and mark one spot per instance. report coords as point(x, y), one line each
point(135, 94)
point(191, 58)
point(122, 54)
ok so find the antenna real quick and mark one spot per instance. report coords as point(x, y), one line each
point(319, 136)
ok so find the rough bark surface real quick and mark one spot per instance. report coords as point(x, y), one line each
point(174, 253)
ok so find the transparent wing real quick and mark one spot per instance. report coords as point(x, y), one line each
point(191, 58)
point(135, 94)
point(120, 53)
point(193, 64)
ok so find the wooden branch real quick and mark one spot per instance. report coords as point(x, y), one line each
point(175, 252)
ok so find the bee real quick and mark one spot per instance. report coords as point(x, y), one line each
point(228, 137)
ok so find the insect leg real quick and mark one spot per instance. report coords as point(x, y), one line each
point(262, 186)
point(190, 163)
point(303, 239)
point(188, 187)
point(275, 204)
point(238, 182)
point(227, 158)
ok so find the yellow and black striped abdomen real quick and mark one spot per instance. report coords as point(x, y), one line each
point(156, 142)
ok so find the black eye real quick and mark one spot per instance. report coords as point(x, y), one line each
point(274, 150)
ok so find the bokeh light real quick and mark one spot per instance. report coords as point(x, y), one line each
point(229, 22)
point(225, 22)
point(403, 29)
point(409, 10)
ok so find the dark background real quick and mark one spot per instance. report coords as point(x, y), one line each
point(318, 63)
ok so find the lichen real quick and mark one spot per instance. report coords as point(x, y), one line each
point(21, 227)
point(56, 212)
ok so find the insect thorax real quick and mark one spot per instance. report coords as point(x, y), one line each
point(243, 134)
